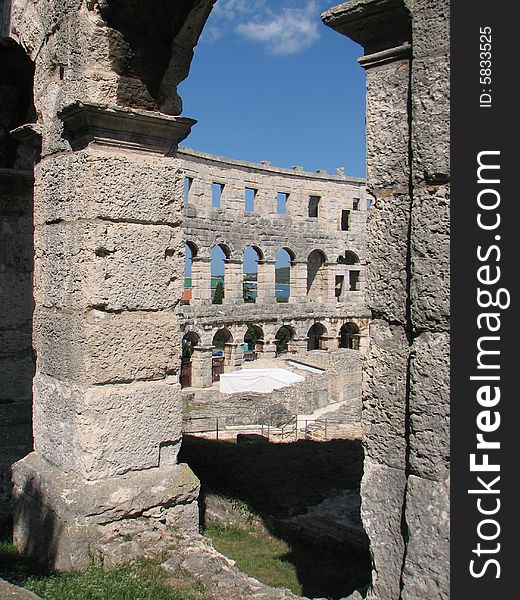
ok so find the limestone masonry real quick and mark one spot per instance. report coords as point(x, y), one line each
point(110, 314)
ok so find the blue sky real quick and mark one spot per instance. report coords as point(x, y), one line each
point(270, 82)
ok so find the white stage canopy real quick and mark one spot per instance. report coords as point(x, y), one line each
point(261, 381)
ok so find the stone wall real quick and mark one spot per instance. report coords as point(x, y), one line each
point(339, 382)
point(405, 488)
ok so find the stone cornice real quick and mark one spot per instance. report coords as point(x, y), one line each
point(375, 24)
point(129, 129)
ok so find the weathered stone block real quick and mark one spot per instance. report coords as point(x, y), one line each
point(427, 564)
point(74, 425)
point(382, 497)
point(114, 266)
point(387, 126)
point(431, 118)
point(93, 184)
point(430, 406)
point(384, 395)
point(387, 234)
point(430, 27)
point(99, 347)
point(430, 260)
point(60, 517)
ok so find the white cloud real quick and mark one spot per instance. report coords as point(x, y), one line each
point(283, 31)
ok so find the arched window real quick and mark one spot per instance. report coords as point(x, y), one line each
point(252, 255)
point(349, 336)
point(351, 258)
point(219, 254)
point(316, 276)
point(253, 335)
point(189, 341)
point(282, 339)
point(314, 335)
point(190, 252)
point(221, 338)
point(282, 274)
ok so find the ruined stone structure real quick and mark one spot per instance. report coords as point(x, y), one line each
point(405, 488)
point(90, 92)
point(320, 225)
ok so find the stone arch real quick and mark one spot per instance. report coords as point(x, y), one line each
point(222, 337)
point(251, 270)
point(254, 338)
point(351, 258)
point(153, 48)
point(315, 336)
point(317, 285)
point(189, 341)
point(349, 336)
point(283, 338)
point(190, 274)
point(220, 254)
point(285, 258)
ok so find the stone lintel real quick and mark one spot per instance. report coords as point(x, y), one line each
point(375, 24)
point(130, 129)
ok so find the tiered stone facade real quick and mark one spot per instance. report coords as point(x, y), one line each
point(334, 297)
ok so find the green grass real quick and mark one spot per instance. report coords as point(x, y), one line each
point(142, 580)
point(256, 554)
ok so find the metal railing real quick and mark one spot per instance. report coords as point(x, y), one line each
point(294, 428)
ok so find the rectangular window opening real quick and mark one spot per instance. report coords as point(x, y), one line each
point(355, 204)
point(354, 281)
point(281, 203)
point(314, 202)
point(345, 220)
point(250, 196)
point(216, 194)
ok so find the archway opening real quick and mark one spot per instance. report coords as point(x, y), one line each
point(190, 277)
point(351, 258)
point(283, 339)
point(282, 274)
point(189, 341)
point(219, 255)
point(317, 276)
point(315, 336)
point(252, 256)
point(349, 336)
point(253, 338)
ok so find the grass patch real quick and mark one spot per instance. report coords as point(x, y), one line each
point(142, 580)
point(256, 554)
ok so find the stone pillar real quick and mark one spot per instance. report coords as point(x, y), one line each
point(201, 366)
point(234, 356)
point(266, 281)
point(405, 501)
point(233, 282)
point(298, 345)
point(298, 282)
point(201, 280)
point(267, 349)
point(331, 282)
point(329, 342)
point(106, 284)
